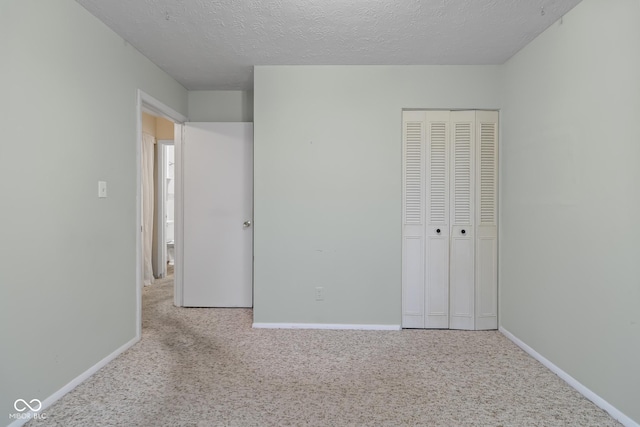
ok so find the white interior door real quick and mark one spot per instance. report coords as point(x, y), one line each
point(217, 170)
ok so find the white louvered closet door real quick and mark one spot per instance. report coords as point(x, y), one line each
point(413, 219)
point(461, 266)
point(449, 234)
point(437, 210)
point(486, 277)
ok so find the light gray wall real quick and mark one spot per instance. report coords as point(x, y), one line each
point(328, 190)
point(570, 275)
point(220, 106)
point(68, 119)
point(328, 183)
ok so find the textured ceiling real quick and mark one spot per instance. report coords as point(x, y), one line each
point(214, 44)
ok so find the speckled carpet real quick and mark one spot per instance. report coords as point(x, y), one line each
point(207, 367)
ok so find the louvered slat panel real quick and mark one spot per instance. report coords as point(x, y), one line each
point(462, 173)
point(438, 173)
point(413, 173)
point(487, 173)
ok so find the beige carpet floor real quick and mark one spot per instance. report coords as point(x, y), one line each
point(207, 367)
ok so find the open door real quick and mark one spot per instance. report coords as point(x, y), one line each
point(217, 215)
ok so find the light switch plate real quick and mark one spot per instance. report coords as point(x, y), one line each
point(102, 189)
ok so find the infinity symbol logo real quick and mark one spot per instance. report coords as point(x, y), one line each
point(21, 405)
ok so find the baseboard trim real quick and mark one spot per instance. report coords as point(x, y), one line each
point(341, 326)
point(75, 383)
point(600, 402)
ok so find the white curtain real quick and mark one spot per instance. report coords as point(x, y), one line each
point(148, 142)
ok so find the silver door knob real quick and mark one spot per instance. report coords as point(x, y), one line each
point(247, 224)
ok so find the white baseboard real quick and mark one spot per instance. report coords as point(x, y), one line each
point(74, 383)
point(600, 402)
point(325, 326)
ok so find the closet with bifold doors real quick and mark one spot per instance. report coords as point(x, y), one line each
point(449, 219)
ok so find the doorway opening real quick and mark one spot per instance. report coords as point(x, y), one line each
point(158, 189)
point(158, 127)
point(164, 218)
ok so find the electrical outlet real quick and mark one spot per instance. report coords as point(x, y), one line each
point(319, 293)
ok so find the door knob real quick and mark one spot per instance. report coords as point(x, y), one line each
point(463, 232)
point(247, 224)
point(438, 231)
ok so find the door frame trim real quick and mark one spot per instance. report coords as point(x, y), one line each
point(178, 215)
point(148, 104)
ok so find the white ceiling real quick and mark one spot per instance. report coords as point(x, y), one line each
point(214, 44)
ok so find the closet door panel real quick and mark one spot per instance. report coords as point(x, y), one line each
point(437, 289)
point(437, 230)
point(413, 283)
point(486, 280)
point(461, 280)
point(462, 218)
point(487, 220)
point(413, 214)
